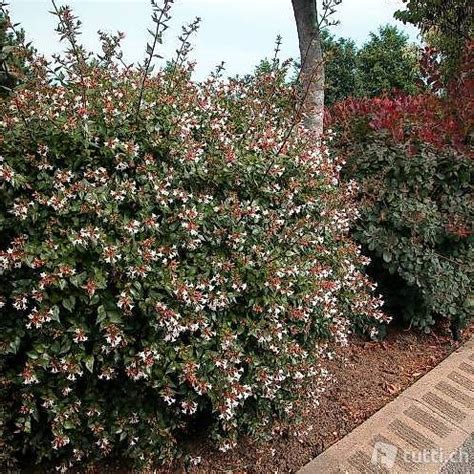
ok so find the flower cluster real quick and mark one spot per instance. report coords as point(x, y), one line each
point(169, 249)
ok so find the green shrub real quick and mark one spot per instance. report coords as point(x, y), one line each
point(170, 252)
point(415, 222)
point(12, 59)
point(412, 157)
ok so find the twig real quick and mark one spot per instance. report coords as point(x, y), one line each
point(161, 26)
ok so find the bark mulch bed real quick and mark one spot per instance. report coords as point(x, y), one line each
point(373, 374)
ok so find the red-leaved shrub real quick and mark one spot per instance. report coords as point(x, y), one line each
point(439, 117)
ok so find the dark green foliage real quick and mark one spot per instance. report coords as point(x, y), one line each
point(12, 61)
point(416, 224)
point(413, 159)
point(7, 80)
point(387, 61)
point(341, 67)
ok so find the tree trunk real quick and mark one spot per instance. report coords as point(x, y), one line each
point(312, 63)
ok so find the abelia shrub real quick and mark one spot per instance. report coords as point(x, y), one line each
point(171, 252)
point(413, 160)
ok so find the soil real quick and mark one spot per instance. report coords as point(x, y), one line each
point(372, 374)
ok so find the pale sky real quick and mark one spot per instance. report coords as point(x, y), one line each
point(239, 32)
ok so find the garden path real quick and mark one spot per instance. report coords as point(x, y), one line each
point(428, 428)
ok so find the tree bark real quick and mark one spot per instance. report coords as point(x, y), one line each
point(312, 63)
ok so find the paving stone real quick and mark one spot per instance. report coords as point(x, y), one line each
point(424, 418)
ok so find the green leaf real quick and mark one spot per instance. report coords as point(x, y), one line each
point(69, 303)
point(89, 363)
point(68, 425)
point(55, 313)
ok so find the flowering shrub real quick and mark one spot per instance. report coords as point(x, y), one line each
point(412, 158)
point(170, 250)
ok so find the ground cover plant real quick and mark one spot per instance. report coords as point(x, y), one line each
point(413, 159)
point(170, 252)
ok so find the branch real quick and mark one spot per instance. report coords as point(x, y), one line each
point(161, 21)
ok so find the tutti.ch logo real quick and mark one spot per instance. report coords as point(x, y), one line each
point(384, 454)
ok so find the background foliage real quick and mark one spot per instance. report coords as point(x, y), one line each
point(387, 62)
point(446, 25)
point(413, 158)
point(14, 52)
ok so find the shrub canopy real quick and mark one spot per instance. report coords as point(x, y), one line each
point(169, 250)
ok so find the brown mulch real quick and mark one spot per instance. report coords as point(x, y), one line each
point(373, 374)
